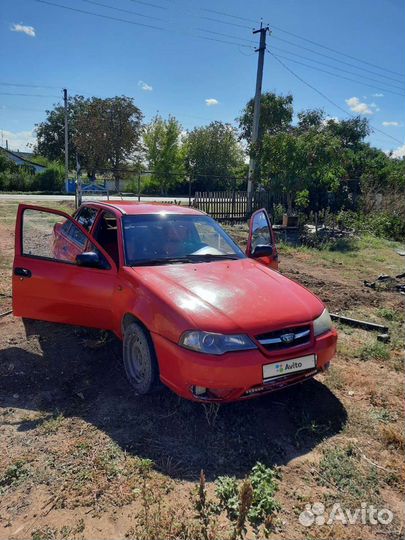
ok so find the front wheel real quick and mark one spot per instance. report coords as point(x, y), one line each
point(140, 362)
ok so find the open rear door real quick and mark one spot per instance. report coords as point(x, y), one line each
point(261, 244)
point(49, 282)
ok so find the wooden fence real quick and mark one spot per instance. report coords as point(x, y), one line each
point(231, 205)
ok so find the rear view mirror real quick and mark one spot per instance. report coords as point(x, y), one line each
point(262, 251)
point(91, 259)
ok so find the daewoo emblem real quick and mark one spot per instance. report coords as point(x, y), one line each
point(287, 338)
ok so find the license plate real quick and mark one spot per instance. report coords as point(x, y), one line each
point(281, 369)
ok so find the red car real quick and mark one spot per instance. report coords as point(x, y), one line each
point(194, 312)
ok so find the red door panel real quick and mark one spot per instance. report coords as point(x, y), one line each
point(47, 283)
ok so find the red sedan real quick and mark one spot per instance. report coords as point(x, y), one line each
point(192, 309)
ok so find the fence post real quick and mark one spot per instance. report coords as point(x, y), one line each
point(139, 188)
point(189, 190)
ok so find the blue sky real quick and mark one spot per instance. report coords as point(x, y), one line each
point(173, 68)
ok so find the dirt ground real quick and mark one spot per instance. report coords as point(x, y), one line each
point(75, 443)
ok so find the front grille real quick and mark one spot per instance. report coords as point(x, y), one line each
point(285, 338)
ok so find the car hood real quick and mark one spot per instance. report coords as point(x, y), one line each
point(230, 296)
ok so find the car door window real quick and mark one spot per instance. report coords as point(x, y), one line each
point(106, 235)
point(86, 217)
point(261, 235)
point(46, 235)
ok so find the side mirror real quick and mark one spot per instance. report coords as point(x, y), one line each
point(262, 251)
point(91, 259)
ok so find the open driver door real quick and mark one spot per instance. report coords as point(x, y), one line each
point(261, 244)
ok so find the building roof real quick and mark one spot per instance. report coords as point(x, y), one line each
point(18, 157)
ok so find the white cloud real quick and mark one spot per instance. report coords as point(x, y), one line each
point(357, 106)
point(390, 123)
point(399, 152)
point(211, 101)
point(145, 86)
point(19, 27)
point(17, 140)
point(378, 95)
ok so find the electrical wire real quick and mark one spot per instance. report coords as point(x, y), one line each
point(342, 76)
point(122, 10)
point(326, 97)
point(305, 39)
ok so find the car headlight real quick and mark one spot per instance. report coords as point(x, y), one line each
point(323, 323)
point(210, 343)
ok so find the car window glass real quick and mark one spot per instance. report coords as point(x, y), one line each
point(172, 236)
point(44, 235)
point(86, 217)
point(260, 230)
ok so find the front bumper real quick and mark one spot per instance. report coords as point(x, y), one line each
point(237, 375)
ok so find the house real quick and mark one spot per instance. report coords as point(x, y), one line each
point(20, 159)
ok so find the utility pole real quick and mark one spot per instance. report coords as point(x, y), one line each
point(65, 102)
point(256, 112)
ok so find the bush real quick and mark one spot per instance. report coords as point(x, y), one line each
point(53, 179)
point(383, 224)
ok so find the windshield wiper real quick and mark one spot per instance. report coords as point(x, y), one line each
point(163, 260)
point(204, 257)
point(213, 257)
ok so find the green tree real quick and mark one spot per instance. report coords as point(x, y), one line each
point(213, 154)
point(276, 114)
point(163, 152)
point(51, 132)
point(303, 167)
point(351, 132)
point(102, 133)
point(310, 119)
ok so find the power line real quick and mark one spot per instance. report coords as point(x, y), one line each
point(302, 47)
point(343, 77)
point(305, 39)
point(326, 97)
point(310, 59)
point(336, 68)
point(149, 4)
point(338, 52)
point(29, 95)
point(3, 83)
point(98, 15)
point(123, 10)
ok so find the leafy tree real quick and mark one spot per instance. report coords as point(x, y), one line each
point(351, 132)
point(122, 121)
point(164, 156)
point(304, 167)
point(51, 133)
point(310, 118)
point(213, 154)
point(102, 132)
point(276, 114)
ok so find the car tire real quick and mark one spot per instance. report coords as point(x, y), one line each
point(139, 357)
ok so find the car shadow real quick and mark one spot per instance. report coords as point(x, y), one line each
point(78, 372)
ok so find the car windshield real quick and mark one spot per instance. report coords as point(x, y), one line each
point(171, 238)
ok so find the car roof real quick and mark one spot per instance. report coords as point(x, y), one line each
point(134, 207)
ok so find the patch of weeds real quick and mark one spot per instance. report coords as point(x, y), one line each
point(389, 314)
point(53, 424)
point(335, 379)
point(393, 436)
point(254, 502)
point(383, 415)
point(14, 475)
point(374, 351)
point(64, 533)
point(341, 468)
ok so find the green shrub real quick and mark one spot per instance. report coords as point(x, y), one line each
point(52, 179)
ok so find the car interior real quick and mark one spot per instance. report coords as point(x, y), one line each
point(106, 235)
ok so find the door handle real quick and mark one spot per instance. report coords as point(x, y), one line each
point(22, 272)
